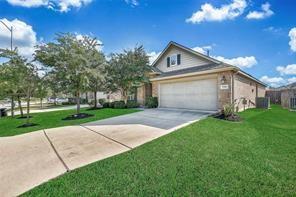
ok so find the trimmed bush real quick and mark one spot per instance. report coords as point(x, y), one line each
point(102, 101)
point(106, 105)
point(111, 105)
point(151, 102)
point(132, 104)
point(119, 105)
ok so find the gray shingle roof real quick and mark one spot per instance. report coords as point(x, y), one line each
point(193, 69)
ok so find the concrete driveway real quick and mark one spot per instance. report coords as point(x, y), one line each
point(159, 118)
point(30, 159)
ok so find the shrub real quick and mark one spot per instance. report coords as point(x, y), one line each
point(228, 110)
point(132, 104)
point(151, 102)
point(229, 114)
point(102, 101)
point(119, 105)
point(111, 105)
point(106, 105)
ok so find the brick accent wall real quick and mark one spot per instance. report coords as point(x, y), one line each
point(155, 89)
point(224, 95)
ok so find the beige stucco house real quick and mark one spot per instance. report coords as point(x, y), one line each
point(183, 78)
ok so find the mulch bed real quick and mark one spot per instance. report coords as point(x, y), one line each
point(27, 125)
point(233, 118)
point(78, 116)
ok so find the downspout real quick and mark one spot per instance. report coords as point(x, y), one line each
point(232, 86)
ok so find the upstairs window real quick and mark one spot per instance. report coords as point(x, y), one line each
point(174, 60)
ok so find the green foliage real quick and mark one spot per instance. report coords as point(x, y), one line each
point(126, 70)
point(132, 104)
point(151, 102)
point(71, 61)
point(102, 101)
point(106, 105)
point(228, 110)
point(119, 105)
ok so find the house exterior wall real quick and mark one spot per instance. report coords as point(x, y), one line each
point(286, 95)
point(245, 88)
point(187, 60)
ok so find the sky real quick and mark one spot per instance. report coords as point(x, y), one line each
point(257, 36)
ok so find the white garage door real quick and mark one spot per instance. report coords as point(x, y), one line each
point(200, 94)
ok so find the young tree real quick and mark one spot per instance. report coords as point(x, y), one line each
point(30, 80)
point(68, 59)
point(41, 90)
point(126, 70)
point(11, 78)
point(96, 77)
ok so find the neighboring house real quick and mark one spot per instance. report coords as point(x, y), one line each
point(287, 93)
point(183, 78)
point(282, 95)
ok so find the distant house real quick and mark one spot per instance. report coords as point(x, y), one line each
point(183, 78)
point(287, 93)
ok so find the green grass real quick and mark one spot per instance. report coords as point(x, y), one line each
point(208, 158)
point(45, 120)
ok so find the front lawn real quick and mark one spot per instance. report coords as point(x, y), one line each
point(208, 158)
point(45, 120)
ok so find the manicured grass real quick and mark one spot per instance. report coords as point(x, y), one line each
point(209, 158)
point(45, 120)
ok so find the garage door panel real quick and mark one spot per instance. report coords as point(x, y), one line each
point(200, 94)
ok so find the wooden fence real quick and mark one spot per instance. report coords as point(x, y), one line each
point(263, 102)
point(274, 95)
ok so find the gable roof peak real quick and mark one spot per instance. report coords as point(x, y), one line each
point(173, 43)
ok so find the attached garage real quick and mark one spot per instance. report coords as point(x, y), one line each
point(196, 94)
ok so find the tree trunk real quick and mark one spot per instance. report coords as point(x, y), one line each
point(12, 106)
point(78, 102)
point(124, 94)
point(55, 99)
point(86, 97)
point(41, 104)
point(20, 106)
point(96, 101)
point(28, 107)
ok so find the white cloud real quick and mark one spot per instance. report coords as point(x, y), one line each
point(203, 49)
point(288, 70)
point(28, 3)
point(273, 81)
point(210, 13)
point(132, 2)
point(273, 30)
point(292, 35)
point(24, 37)
point(292, 80)
point(241, 62)
point(61, 5)
point(153, 56)
point(264, 13)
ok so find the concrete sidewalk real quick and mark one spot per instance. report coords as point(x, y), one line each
point(31, 159)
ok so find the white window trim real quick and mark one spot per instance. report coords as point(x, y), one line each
point(176, 64)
